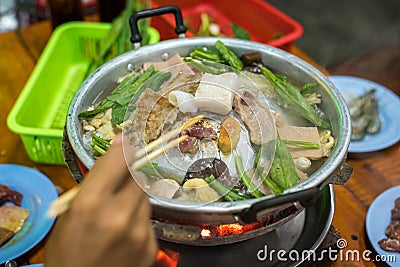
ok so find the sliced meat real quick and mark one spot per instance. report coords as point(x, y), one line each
point(393, 230)
point(390, 244)
point(176, 60)
point(200, 132)
point(5, 235)
point(395, 213)
point(176, 66)
point(6, 194)
point(184, 82)
point(13, 217)
point(215, 92)
point(295, 133)
point(195, 133)
point(164, 188)
point(189, 145)
point(255, 116)
point(153, 112)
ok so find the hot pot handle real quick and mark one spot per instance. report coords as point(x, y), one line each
point(180, 28)
point(305, 197)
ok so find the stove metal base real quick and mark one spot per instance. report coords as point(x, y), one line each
point(307, 231)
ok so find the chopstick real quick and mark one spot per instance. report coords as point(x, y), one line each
point(167, 136)
point(62, 204)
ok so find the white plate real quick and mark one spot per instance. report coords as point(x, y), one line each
point(378, 218)
point(389, 112)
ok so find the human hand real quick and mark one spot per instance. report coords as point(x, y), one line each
point(108, 221)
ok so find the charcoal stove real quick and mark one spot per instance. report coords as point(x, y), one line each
point(243, 245)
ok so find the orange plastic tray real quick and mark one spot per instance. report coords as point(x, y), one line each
point(264, 22)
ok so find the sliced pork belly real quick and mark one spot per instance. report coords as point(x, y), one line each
point(295, 133)
point(164, 188)
point(215, 92)
point(153, 112)
point(390, 244)
point(179, 66)
point(5, 235)
point(12, 219)
point(255, 116)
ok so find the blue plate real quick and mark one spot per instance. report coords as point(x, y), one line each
point(389, 112)
point(39, 192)
point(378, 218)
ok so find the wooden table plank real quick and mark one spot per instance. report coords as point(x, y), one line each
point(374, 172)
point(16, 65)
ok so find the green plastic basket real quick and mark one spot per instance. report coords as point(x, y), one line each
point(39, 114)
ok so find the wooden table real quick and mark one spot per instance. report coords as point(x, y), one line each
point(373, 172)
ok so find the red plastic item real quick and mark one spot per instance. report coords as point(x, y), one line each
point(265, 23)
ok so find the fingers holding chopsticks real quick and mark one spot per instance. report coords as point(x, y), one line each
point(97, 229)
point(109, 171)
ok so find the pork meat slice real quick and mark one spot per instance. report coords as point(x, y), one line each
point(6, 194)
point(185, 82)
point(13, 217)
point(5, 235)
point(296, 133)
point(255, 116)
point(393, 230)
point(179, 66)
point(390, 244)
point(153, 112)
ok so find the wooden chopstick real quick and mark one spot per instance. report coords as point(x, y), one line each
point(142, 161)
point(62, 204)
point(167, 136)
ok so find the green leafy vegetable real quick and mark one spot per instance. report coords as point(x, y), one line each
point(307, 87)
point(291, 95)
point(99, 144)
point(111, 99)
point(117, 40)
point(229, 194)
point(118, 114)
point(246, 180)
point(301, 144)
point(239, 32)
point(122, 96)
point(157, 80)
point(271, 185)
point(205, 68)
point(283, 171)
point(125, 96)
point(229, 55)
point(258, 157)
point(209, 55)
point(120, 107)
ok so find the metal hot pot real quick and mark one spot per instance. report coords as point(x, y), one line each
point(100, 83)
